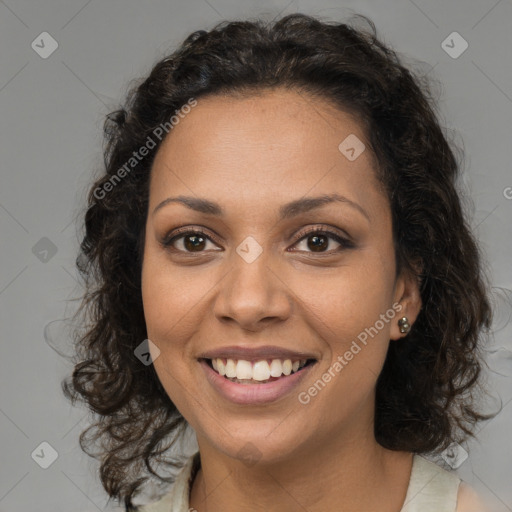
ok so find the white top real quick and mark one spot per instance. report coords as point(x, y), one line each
point(431, 489)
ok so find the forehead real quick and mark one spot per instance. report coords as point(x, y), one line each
point(276, 144)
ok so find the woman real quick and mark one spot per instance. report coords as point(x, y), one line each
point(276, 255)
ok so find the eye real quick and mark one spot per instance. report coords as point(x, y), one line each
point(318, 240)
point(191, 240)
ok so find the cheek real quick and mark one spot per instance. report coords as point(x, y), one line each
point(350, 298)
point(171, 299)
point(344, 311)
point(167, 311)
point(348, 322)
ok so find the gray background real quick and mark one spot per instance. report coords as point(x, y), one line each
point(51, 113)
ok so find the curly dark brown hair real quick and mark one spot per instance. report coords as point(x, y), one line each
point(426, 394)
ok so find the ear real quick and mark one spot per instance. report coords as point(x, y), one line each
point(407, 295)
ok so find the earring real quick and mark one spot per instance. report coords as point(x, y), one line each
point(404, 325)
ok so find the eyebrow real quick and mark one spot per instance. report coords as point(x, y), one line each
point(286, 211)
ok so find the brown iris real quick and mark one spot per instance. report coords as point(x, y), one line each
point(317, 242)
point(193, 242)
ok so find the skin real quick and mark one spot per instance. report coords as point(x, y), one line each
point(251, 155)
point(468, 500)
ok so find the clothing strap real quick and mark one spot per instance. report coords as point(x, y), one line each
point(431, 488)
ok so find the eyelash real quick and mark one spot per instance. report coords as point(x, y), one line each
point(344, 242)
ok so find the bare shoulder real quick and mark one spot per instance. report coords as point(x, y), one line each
point(468, 500)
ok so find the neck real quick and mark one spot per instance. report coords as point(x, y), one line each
point(349, 474)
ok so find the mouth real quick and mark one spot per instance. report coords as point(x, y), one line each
point(258, 372)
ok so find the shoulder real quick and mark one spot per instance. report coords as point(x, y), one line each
point(433, 483)
point(431, 488)
point(468, 500)
point(177, 499)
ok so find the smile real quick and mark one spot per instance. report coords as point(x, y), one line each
point(259, 383)
point(256, 372)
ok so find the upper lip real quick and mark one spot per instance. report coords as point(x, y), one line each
point(255, 353)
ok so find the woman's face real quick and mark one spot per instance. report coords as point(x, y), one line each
point(256, 287)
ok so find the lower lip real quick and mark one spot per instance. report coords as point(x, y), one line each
point(254, 394)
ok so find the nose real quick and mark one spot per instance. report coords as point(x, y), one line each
point(252, 295)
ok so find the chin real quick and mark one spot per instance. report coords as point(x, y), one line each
point(259, 443)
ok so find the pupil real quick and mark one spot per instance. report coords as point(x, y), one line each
point(315, 246)
point(197, 243)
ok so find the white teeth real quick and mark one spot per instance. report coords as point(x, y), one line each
point(221, 367)
point(243, 369)
point(276, 368)
point(230, 369)
point(259, 370)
